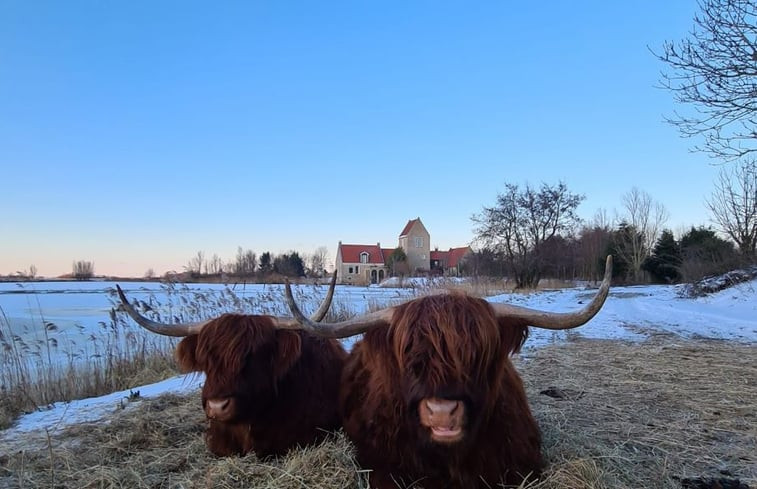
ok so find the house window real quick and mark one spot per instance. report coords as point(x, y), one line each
point(418, 241)
point(350, 269)
point(356, 269)
point(364, 257)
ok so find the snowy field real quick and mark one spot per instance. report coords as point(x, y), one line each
point(631, 313)
point(80, 312)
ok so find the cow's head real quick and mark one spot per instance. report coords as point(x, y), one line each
point(449, 353)
point(243, 358)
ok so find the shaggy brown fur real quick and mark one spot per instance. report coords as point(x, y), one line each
point(282, 386)
point(447, 346)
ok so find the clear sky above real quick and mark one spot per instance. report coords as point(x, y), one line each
point(135, 134)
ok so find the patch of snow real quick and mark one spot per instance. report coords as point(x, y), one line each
point(716, 283)
point(95, 409)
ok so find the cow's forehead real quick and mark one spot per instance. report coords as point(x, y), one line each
point(232, 340)
point(454, 330)
point(446, 314)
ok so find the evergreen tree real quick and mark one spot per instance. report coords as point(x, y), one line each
point(704, 253)
point(265, 264)
point(706, 243)
point(296, 264)
point(665, 261)
point(289, 264)
point(397, 262)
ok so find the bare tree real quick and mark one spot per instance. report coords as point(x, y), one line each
point(149, 274)
point(83, 270)
point(733, 205)
point(318, 260)
point(245, 264)
point(195, 264)
point(714, 71)
point(214, 265)
point(600, 220)
point(522, 221)
point(644, 218)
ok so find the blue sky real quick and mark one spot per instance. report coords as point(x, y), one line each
point(134, 134)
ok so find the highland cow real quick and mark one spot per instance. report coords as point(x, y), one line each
point(268, 386)
point(429, 395)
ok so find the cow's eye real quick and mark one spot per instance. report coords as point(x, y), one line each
point(417, 369)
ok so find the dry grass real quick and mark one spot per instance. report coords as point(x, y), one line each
point(625, 416)
point(160, 444)
point(35, 374)
point(646, 415)
point(488, 286)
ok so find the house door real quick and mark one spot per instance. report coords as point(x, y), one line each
point(373, 276)
point(381, 275)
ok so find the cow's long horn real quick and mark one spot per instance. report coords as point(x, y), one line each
point(342, 329)
point(177, 329)
point(186, 329)
point(533, 317)
point(560, 320)
point(324, 309)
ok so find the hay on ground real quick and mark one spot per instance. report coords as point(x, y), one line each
point(613, 415)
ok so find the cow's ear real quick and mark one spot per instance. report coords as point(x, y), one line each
point(186, 354)
point(288, 351)
point(514, 334)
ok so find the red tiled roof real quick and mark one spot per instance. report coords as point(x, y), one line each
point(439, 255)
point(456, 254)
point(387, 252)
point(451, 258)
point(351, 253)
point(409, 226)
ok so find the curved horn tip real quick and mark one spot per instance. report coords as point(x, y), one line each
point(293, 307)
point(121, 294)
point(290, 298)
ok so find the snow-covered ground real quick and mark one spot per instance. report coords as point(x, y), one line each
point(630, 313)
point(634, 313)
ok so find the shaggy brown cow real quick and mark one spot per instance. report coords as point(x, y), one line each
point(267, 388)
point(429, 395)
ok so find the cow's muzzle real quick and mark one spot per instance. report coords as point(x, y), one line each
point(220, 409)
point(444, 418)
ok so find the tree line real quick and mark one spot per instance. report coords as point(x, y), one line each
point(531, 233)
point(248, 264)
